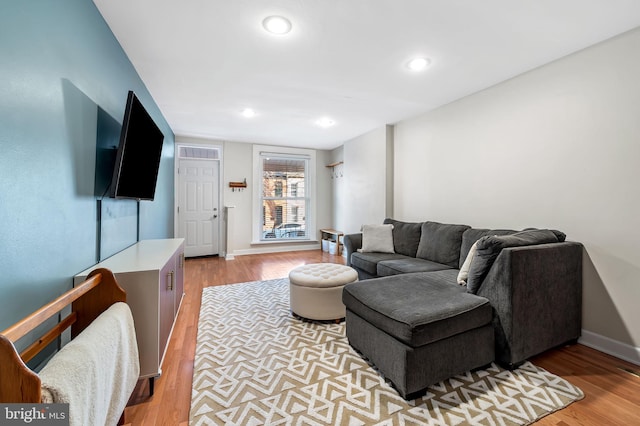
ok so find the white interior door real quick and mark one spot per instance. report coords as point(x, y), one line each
point(198, 206)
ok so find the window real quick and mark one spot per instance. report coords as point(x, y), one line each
point(283, 198)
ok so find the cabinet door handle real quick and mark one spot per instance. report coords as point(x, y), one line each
point(170, 281)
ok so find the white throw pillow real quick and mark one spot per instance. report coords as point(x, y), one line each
point(377, 238)
point(464, 270)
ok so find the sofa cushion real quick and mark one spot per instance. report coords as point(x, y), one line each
point(406, 236)
point(559, 234)
point(368, 262)
point(417, 309)
point(408, 265)
point(377, 238)
point(489, 248)
point(445, 276)
point(441, 243)
point(472, 235)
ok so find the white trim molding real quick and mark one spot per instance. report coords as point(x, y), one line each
point(609, 346)
point(270, 248)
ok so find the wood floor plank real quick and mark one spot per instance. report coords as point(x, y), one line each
point(612, 396)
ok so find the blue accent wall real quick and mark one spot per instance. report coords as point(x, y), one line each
point(60, 66)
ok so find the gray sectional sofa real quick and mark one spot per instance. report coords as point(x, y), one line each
point(410, 317)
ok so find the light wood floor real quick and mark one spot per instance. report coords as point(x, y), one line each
point(612, 395)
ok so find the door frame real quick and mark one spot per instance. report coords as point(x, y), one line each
point(176, 194)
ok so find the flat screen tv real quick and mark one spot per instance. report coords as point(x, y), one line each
point(138, 158)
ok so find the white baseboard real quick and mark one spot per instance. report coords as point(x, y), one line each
point(609, 346)
point(274, 249)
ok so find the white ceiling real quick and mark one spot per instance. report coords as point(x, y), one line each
point(205, 60)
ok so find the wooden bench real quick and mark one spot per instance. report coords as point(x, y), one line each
point(88, 300)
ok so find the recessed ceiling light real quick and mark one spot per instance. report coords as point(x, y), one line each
point(418, 64)
point(325, 122)
point(248, 113)
point(276, 24)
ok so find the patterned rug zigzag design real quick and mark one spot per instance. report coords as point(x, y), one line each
point(257, 365)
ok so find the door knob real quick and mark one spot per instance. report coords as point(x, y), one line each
point(215, 216)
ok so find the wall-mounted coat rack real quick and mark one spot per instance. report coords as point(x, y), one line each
point(336, 171)
point(240, 186)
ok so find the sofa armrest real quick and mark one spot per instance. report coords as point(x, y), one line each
point(536, 293)
point(352, 242)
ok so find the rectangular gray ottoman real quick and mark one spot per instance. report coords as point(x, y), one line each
point(418, 329)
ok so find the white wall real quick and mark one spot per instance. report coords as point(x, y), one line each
point(238, 159)
point(362, 195)
point(336, 176)
point(325, 206)
point(556, 147)
point(237, 164)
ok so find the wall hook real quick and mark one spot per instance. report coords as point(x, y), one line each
point(240, 186)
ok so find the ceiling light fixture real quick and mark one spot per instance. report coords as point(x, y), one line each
point(278, 25)
point(418, 64)
point(248, 113)
point(325, 122)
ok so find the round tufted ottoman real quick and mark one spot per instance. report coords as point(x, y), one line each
point(316, 290)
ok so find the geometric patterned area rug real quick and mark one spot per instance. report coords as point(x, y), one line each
point(255, 364)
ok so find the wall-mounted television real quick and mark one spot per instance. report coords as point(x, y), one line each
point(138, 158)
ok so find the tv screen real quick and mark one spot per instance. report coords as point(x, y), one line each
point(138, 157)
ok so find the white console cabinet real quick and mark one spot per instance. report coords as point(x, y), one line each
point(152, 274)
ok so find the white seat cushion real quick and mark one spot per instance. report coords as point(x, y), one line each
point(322, 275)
